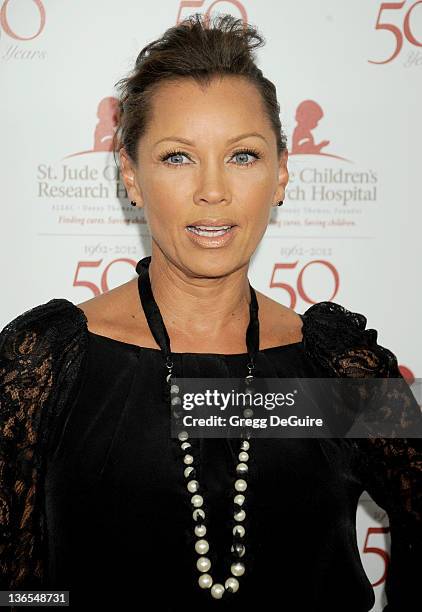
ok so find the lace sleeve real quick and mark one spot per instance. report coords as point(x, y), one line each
point(390, 469)
point(41, 352)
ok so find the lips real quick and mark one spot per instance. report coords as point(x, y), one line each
point(209, 223)
point(218, 236)
point(209, 232)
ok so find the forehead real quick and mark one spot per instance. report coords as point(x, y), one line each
point(225, 107)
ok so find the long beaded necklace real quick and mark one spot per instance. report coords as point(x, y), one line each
point(238, 549)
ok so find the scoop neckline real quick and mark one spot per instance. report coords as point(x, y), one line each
point(139, 348)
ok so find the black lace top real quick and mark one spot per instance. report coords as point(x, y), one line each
point(93, 498)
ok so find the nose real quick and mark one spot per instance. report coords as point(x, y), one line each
point(212, 185)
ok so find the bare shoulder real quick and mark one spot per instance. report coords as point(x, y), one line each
point(278, 323)
point(118, 314)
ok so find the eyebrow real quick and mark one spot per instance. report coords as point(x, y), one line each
point(230, 141)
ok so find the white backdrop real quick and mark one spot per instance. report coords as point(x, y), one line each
point(348, 76)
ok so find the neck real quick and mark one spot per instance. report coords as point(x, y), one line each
point(207, 307)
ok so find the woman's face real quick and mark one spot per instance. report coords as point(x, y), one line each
point(218, 173)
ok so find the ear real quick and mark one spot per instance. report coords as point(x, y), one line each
point(283, 177)
point(128, 174)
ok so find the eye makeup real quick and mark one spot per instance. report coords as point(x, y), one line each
point(247, 150)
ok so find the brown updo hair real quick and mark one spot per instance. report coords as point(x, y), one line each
point(199, 48)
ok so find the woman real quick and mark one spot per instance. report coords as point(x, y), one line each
point(97, 498)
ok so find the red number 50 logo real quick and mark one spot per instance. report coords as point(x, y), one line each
point(6, 26)
point(199, 3)
point(300, 290)
point(395, 30)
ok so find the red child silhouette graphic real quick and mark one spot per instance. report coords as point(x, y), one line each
point(308, 114)
point(107, 113)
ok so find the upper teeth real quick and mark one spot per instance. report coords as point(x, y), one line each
point(211, 227)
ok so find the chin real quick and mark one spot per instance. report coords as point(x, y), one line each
point(213, 266)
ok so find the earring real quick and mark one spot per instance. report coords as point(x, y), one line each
point(133, 203)
point(280, 203)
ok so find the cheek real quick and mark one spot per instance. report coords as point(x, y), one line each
point(254, 188)
point(257, 210)
point(161, 201)
point(258, 197)
point(164, 216)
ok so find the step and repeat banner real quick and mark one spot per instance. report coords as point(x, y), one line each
point(349, 83)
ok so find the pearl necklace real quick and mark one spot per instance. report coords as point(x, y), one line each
point(203, 564)
point(238, 548)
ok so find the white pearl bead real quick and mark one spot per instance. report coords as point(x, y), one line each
point(245, 445)
point(197, 500)
point(243, 456)
point(183, 435)
point(185, 445)
point(188, 459)
point(175, 400)
point(203, 564)
point(239, 529)
point(248, 413)
point(217, 590)
point(242, 468)
point(205, 581)
point(200, 531)
point(198, 513)
point(232, 584)
point(192, 486)
point(240, 485)
point(237, 569)
point(240, 516)
point(239, 499)
point(202, 547)
point(187, 471)
point(174, 389)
